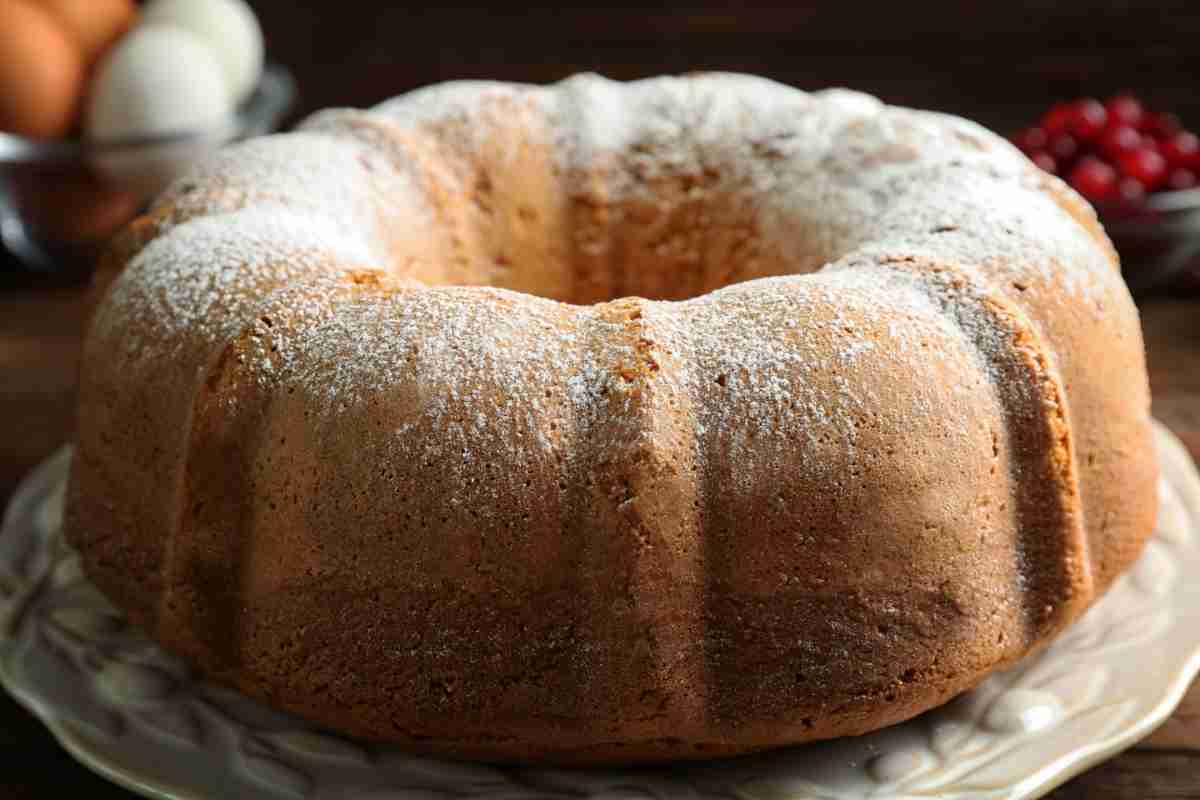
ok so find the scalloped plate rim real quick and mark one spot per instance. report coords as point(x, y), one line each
point(1079, 761)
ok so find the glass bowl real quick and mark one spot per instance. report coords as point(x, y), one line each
point(61, 200)
point(1159, 240)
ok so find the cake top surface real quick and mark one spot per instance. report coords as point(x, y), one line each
point(270, 227)
point(877, 178)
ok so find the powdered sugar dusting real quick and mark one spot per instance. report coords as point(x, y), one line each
point(484, 375)
point(351, 189)
point(467, 373)
point(795, 365)
point(838, 179)
point(201, 281)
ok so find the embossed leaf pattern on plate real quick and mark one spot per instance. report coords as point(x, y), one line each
point(122, 705)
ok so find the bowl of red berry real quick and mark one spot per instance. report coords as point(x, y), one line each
point(1140, 169)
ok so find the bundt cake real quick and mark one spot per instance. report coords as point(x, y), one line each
point(612, 422)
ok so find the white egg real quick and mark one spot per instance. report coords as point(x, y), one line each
point(230, 28)
point(158, 80)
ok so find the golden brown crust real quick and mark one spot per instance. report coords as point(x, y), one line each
point(342, 475)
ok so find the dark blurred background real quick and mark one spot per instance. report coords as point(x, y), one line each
point(1000, 63)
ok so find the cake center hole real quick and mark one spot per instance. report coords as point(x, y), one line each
point(672, 236)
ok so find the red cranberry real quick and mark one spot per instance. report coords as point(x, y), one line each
point(1113, 152)
point(1087, 119)
point(1119, 140)
point(1030, 140)
point(1093, 178)
point(1130, 191)
point(1182, 178)
point(1160, 126)
point(1063, 147)
point(1045, 161)
point(1182, 149)
point(1145, 165)
point(1125, 109)
point(1057, 119)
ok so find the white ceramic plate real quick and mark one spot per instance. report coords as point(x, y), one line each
point(134, 713)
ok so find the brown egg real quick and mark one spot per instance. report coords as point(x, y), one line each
point(93, 24)
point(41, 72)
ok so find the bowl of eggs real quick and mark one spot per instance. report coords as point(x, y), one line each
point(104, 102)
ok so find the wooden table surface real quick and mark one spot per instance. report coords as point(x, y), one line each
point(39, 342)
